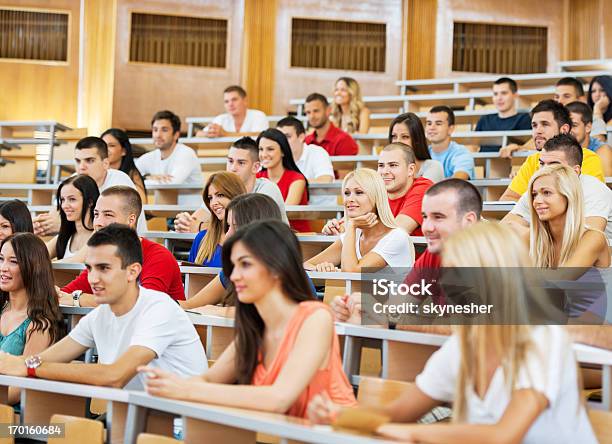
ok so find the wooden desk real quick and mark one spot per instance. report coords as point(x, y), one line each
point(311, 212)
point(584, 65)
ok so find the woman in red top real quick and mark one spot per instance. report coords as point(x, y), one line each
point(278, 165)
point(285, 350)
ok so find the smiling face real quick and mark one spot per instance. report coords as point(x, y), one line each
point(401, 134)
point(115, 150)
point(437, 128)
point(163, 134)
point(234, 104)
point(109, 210)
point(441, 219)
point(251, 278)
point(543, 127)
point(6, 229)
point(108, 280)
point(548, 203)
point(71, 202)
point(218, 201)
point(394, 170)
point(88, 162)
point(270, 154)
point(10, 274)
point(356, 201)
point(316, 113)
point(503, 97)
point(342, 95)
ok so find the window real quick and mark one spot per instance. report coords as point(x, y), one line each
point(499, 49)
point(33, 35)
point(177, 40)
point(331, 44)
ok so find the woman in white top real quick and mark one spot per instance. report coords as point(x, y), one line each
point(76, 200)
point(371, 238)
point(508, 383)
point(408, 129)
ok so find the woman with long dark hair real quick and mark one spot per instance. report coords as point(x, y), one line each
point(408, 129)
point(599, 98)
point(278, 165)
point(31, 318)
point(121, 157)
point(14, 218)
point(76, 200)
point(285, 349)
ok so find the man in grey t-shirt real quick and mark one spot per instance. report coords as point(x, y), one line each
point(242, 160)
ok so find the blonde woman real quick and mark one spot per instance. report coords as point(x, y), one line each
point(507, 383)
point(219, 190)
point(349, 113)
point(558, 237)
point(371, 238)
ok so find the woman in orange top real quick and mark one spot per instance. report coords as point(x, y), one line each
point(285, 350)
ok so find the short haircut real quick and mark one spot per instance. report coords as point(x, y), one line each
point(175, 121)
point(559, 112)
point(237, 89)
point(569, 145)
point(586, 114)
point(246, 143)
point(129, 248)
point(291, 121)
point(444, 109)
point(574, 82)
point(469, 199)
point(130, 199)
point(406, 150)
point(316, 96)
point(511, 83)
point(93, 142)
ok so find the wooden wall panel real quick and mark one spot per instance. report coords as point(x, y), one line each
point(606, 15)
point(299, 82)
point(142, 89)
point(584, 29)
point(258, 55)
point(548, 13)
point(420, 17)
point(43, 90)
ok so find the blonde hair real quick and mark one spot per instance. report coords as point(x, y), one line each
point(355, 106)
point(490, 244)
point(541, 244)
point(374, 187)
point(231, 186)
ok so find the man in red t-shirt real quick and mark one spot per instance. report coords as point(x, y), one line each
point(160, 271)
point(397, 167)
point(335, 141)
point(448, 206)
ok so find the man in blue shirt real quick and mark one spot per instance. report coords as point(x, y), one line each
point(505, 95)
point(456, 160)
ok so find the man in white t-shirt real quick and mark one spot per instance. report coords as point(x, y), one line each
point(132, 327)
point(171, 162)
point(242, 160)
point(312, 160)
point(90, 159)
point(564, 149)
point(238, 120)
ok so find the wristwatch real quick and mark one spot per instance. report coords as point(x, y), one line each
point(32, 363)
point(76, 297)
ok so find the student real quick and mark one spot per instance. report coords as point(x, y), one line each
point(243, 160)
point(14, 218)
point(505, 97)
point(582, 125)
point(91, 159)
point(568, 90)
point(160, 270)
point(397, 167)
point(600, 91)
point(278, 165)
point(456, 160)
point(408, 129)
point(565, 150)
point(558, 234)
point(348, 112)
point(171, 162)
point(132, 326)
point(238, 120)
point(371, 238)
point(548, 119)
point(285, 350)
point(507, 383)
point(76, 199)
point(448, 206)
point(335, 141)
point(220, 189)
point(31, 318)
point(121, 157)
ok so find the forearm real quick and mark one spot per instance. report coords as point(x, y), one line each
point(348, 259)
point(211, 294)
point(87, 300)
point(92, 374)
point(462, 433)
